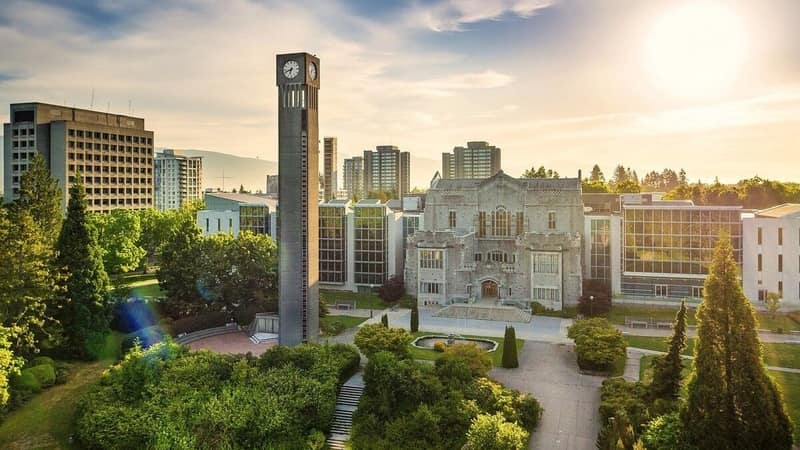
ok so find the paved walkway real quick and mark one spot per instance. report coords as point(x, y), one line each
point(570, 400)
point(233, 343)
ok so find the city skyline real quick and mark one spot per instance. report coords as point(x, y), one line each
point(563, 84)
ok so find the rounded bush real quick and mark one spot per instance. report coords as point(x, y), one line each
point(39, 360)
point(26, 381)
point(45, 374)
point(439, 347)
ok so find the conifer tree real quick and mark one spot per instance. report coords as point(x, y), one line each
point(510, 360)
point(85, 305)
point(414, 319)
point(385, 320)
point(732, 401)
point(40, 195)
point(667, 368)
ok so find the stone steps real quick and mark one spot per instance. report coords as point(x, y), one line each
point(484, 312)
point(346, 404)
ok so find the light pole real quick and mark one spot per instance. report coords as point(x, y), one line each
point(591, 306)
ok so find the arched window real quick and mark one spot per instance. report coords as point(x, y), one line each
point(497, 256)
point(501, 222)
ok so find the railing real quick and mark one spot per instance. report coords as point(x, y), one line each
point(208, 332)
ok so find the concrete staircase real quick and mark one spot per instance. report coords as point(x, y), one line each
point(484, 312)
point(346, 404)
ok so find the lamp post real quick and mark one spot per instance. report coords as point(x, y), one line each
point(591, 306)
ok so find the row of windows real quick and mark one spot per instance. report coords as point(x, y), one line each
point(107, 169)
point(112, 180)
point(108, 147)
point(429, 288)
point(780, 236)
point(87, 134)
point(120, 201)
point(498, 223)
point(546, 294)
point(22, 132)
point(682, 215)
point(23, 144)
point(546, 263)
point(780, 262)
point(431, 259)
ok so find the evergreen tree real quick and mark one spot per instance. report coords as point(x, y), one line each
point(510, 349)
point(40, 195)
point(732, 401)
point(385, 320)
point(666, 382)
point(414, 319)
point(597, 174)
point(85, 307)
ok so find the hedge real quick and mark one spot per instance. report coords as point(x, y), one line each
point(598, 344)
point(199, 322)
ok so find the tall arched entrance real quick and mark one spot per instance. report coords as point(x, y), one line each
point(489, 290)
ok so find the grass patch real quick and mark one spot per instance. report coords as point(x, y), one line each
point(46, 421)
point(568, 312)
point(430, 355)
point(766, 321)
point(775, 354)
point(335, 325)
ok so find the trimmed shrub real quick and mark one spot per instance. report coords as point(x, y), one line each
point(439, 347)
point(385, 321)
point(597, 344)
point(26, 381)
point(199, 322)
point(510, 360)
point(40, 360)
point(45, 374)
point(374, 338)
point(477, 360)
point(493, 432)
point(414, 325)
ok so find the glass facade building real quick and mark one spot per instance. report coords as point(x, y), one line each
point(254, 218)
point(370, 229)
point(667, 249)
point(332, 244)
point(600, 250)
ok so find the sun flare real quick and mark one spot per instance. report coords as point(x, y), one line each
point(696, 49)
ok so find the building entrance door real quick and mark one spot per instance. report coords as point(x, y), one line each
point(489, 289)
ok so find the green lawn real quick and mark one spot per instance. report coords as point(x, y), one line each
point(430, 355)
point(363, 300)
point(788, 382)
point(775, 354)
point(140, 285)
point(766, 321)
point(45, 422)
point(331, 322)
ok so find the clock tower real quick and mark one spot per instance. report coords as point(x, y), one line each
point(298, 192)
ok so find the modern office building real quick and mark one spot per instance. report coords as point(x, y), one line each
point(331, 173)
point(297, 77)
point(413, 214)
point(227, 212)
point(354, 177)
point(771, 254)
point(272, 186)
point(387, 169)
point(112, 153)
point(499, 240)
point(477, 160)
point(361, 244)
point(178, 179)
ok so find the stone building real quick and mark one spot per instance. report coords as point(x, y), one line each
point(499, 240)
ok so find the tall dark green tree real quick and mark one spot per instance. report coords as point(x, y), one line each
point(597, 174)
point(414, 325)
point(510, 360)
point(40, 195)
point(732, 402)
point(85, 305)
point(667, 368)
point(385, 321)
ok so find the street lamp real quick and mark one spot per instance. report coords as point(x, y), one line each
point(591, 306)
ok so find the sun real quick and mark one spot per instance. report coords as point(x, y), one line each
point(696, 49)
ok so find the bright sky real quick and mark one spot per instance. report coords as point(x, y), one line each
point(711, 86)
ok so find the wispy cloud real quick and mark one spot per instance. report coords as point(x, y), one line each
point(452, 15)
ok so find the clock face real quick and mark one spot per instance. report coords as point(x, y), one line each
point(312, 71)
point(291, 69)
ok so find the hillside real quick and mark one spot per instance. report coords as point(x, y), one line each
point(250, 172)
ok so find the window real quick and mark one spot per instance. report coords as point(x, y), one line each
point(762, 295)
point(520, 224)
point(760, 235)
point(482, 224)
point(697, 291)
point(478, 257)
point(547, 294)
point(760, 261)
point(780, 236)
point(496, 256)
point(546, 263)
point(780, 263)
point(452, 220)
point(551, 220)
point(662, 290)
point(780, 288)
point(429, 288)
point(430, 259)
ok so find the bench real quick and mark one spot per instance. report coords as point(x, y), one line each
point(663, 324)
point(347, 306)
point(634, 322)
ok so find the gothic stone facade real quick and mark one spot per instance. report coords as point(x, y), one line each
point(499, 240)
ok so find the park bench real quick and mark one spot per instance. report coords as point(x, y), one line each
point(634, 322)
point(663, 324)
point(345, 305)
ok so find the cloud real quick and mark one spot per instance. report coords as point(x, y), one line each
point(452, 15)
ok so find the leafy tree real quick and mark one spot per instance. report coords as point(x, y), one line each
point(597, 175)
point(732, 402)
point(773, 302)
point(667, 368)
point(618, 434)
point(664, 433)
point(595, 187)
point(627, 187)
point(85, 313)
point(493, 432)
point(179, 268)
point(9, 365)
point(541, 172)
point(385, 321)
point(510, 349)
point(382, 195)
point(118, 236)
point(371, 339)
point(596, 298)
point(40, 195)
point(414, 325)
point(27, 282)
point(392, 290)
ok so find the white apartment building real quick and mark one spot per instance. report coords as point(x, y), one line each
point(178, 179)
